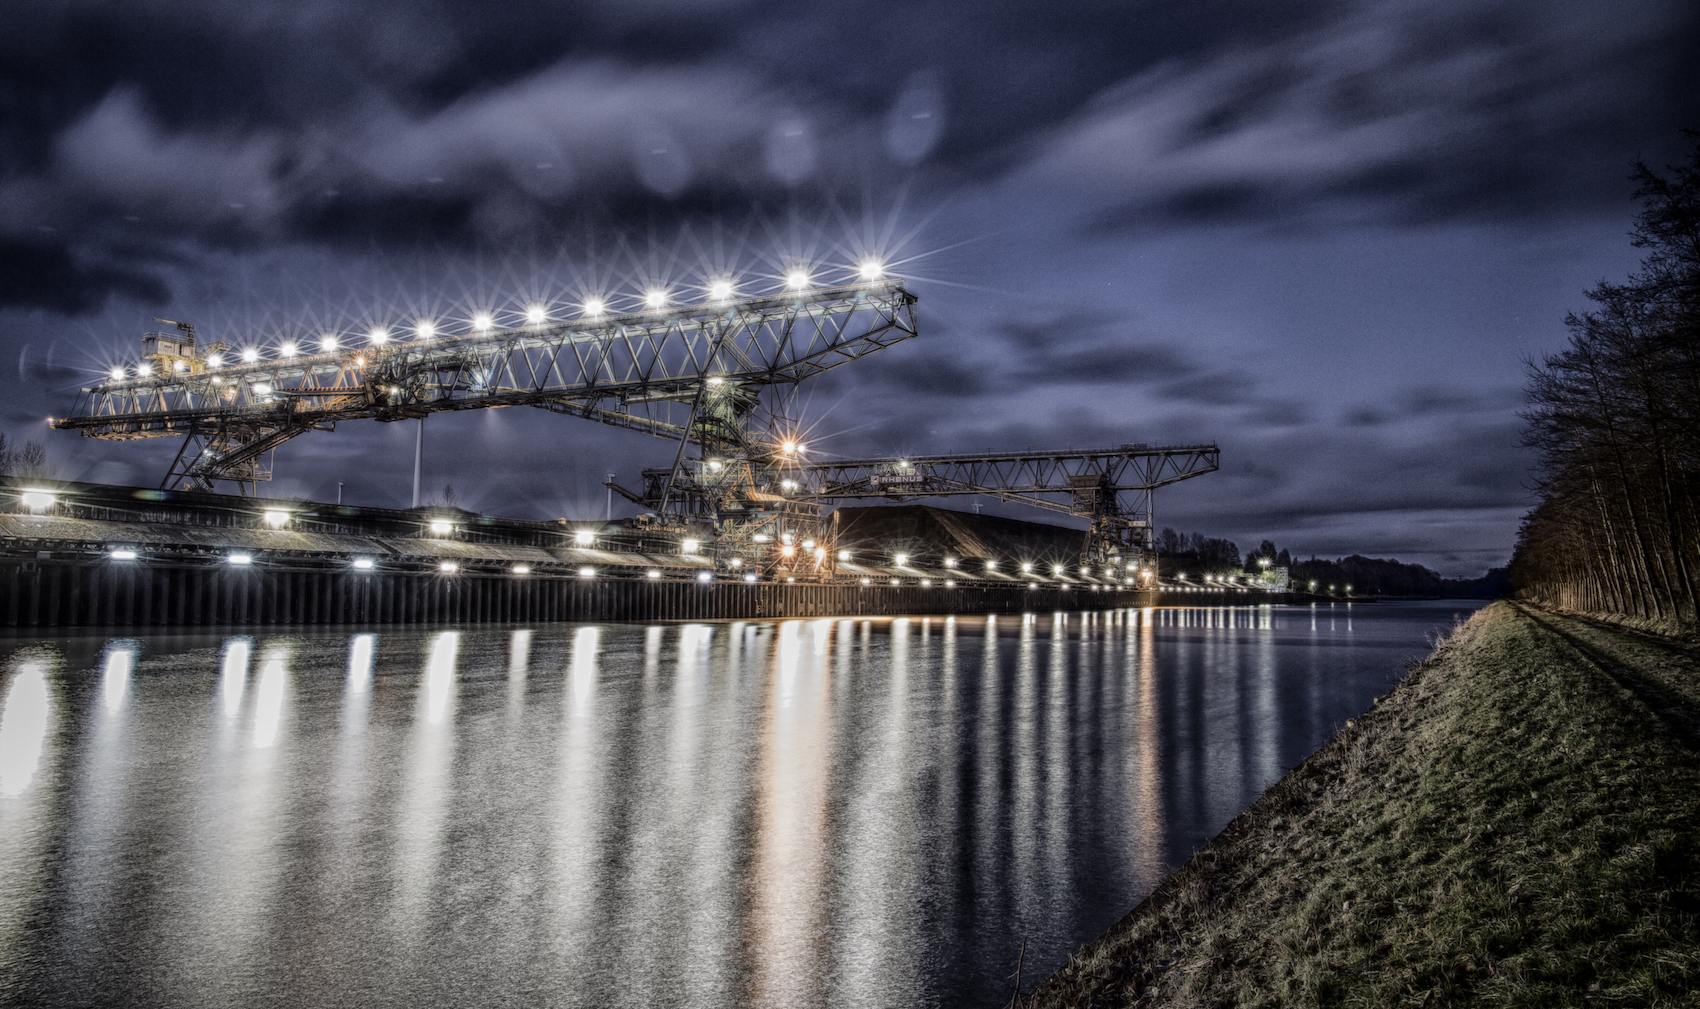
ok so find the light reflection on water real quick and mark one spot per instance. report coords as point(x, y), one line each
point(798, 813)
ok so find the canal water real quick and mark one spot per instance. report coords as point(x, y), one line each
point(837, 812)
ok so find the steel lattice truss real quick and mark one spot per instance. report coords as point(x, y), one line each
point(650, 371)
point(1112, 487)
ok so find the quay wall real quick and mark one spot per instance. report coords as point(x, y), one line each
point(52, 593)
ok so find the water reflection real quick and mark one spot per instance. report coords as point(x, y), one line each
point(845, 811)
point(24, 721)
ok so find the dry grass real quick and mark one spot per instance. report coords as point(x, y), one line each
point(1517, 823)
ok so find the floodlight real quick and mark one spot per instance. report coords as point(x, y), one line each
point(584, 538)
point(287, 348)
point(655, 297)
point(362, 563)
point(720, 290)
point(118, 372)
point(37, 500)
point(379, 334)
point(901, 559)
point(123, 555)
point(690, 546)
point(179, 366)
point(536, 314)
point(441, 527)
point(587, 572)
point(594, 307)
point(843, 555)
point(327, 343)
point(448, 567)
point(144, 370)
point(522, 569)
point(276, 518)
point(482, 322)
point(797, 280)
point(926, 583)
point(250, 355)
point(652, 573)
point(704, 576)
point(750, 577)
point(426, 329)
point(871, 269)
point(240, 559)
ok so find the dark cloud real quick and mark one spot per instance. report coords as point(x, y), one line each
point(41, 274)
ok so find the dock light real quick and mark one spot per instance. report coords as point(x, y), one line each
point(587, 572)
point(690, 546)
point(926, 583)
point(594, 307)
point(704, 576)
point(720, 290)
point(118, 374)
point(287, 349)
point(536, 314)
point(1032, 585)
point(584, 538)
point(36, 499)
point(843, 555)
point(871, 269)
point(522, 569)
point(655, 297)
point(901, 560)
point(949, 584)
point(1027, 569)
point(790, 579)
point(482, 322)
point(276, 519)
point(327, 343)
point(1057, 570)
point(441, 527)
point(448, 567)
point(894, 581)
point(950, 562)
point(379, 335)
point(991, 565)
point(240, 559)
point(867, 581)
point(123, 555)
point(750, 577)
point(362, 563)
point(797, 280)
point(652, 573)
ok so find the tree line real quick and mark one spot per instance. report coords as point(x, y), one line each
point(28, 460)
point(1614, 418)
point(1195, 555)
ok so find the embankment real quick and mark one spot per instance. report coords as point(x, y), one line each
point(1516, 823)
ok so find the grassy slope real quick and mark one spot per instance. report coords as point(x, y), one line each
point(1512, 825)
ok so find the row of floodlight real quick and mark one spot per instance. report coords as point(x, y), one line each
point(655, 299)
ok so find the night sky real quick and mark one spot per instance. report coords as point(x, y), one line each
point(1323, 235)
